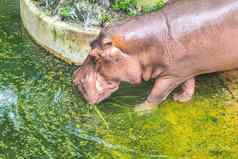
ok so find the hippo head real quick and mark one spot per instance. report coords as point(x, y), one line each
point(114, 65)
point(104, 69)
point(112, 60)
point(92, 85)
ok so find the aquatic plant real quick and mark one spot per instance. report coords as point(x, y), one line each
point(88, 12)
point(97, 12)
point(127, 6)
point(137, 7)
point(150, 7)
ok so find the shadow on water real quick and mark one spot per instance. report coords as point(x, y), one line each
point(42, 116)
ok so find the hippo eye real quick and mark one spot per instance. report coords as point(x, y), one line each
point(107, 45)
point(106, 42)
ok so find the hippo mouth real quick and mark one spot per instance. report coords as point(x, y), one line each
point(94, 87)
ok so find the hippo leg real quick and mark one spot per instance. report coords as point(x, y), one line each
point(147, 73)
point(162, 88)
point(187, 91)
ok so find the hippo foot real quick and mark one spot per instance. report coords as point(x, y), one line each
point(146, 107)
point(182, 97)
point(187, 91)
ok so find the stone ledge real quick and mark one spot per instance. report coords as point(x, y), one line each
point(69, 42)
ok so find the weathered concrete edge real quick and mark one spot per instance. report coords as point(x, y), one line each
point(69, 42)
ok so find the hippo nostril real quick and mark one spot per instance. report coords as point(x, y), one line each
point(82, 88)
point(112, 84)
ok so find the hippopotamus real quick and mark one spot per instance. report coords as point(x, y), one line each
point(172, 46)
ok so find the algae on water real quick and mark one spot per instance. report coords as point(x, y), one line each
point(43, 116)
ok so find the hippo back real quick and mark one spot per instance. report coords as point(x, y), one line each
point(204, 35)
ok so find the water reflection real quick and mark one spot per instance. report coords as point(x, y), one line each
point(8, 106)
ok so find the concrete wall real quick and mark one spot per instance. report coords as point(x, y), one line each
point(69, 42)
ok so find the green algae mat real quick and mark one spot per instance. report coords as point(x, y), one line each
point(43, 117)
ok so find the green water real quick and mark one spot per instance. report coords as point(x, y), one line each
point(42, 116)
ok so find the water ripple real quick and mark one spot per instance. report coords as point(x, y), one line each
point(8, 106)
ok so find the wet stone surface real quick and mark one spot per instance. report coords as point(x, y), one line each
point(42, 116)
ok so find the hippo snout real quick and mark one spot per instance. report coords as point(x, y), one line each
point(92, 85)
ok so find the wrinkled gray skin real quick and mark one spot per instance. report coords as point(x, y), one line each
point(185, 39)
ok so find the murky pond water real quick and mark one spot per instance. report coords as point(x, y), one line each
point(42, 116)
